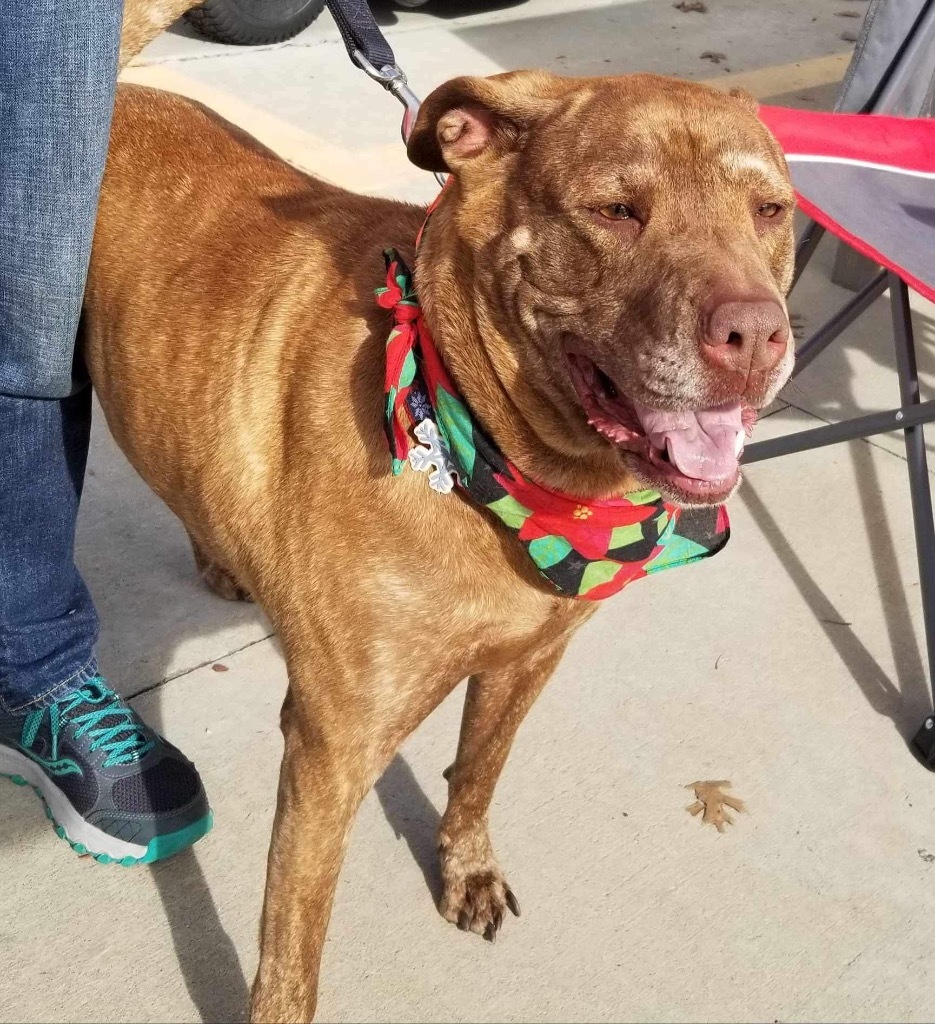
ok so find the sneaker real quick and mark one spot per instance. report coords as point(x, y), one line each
point(112, 787)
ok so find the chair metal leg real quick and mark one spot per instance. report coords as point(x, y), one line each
point(858, 428)
point(920, 494)
point(841, 320)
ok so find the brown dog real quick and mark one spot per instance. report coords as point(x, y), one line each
point(610, 251)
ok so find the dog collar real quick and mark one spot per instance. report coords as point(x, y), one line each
point(586, 548)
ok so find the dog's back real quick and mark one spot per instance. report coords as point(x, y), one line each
point(204, 234)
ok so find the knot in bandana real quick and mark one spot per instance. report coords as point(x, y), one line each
point(586, 548)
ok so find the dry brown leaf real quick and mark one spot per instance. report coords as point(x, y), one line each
point(710, 800)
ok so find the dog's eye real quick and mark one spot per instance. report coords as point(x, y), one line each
point(769, 210)
point(616, 211)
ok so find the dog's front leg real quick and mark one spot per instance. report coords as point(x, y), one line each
point(475, 892)
point(328, 766)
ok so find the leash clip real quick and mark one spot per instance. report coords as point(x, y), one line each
point(394, 80)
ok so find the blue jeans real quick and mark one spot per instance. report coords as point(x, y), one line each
point(57, 79)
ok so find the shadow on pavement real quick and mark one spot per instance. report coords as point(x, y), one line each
point(413, 817)
point(906, 701)
point(386, 12)
point(911, 672)
point(152, 603)
point(206, 955)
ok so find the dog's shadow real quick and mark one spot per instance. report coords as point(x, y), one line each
point(206, 955)
point(413, 818)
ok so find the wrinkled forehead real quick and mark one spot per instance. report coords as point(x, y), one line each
point(644, 136)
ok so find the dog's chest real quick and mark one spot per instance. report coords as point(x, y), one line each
point(469, 610)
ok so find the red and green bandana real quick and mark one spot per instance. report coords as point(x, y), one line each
point(588, 549)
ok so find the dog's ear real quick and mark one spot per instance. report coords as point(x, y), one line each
point(468, 118)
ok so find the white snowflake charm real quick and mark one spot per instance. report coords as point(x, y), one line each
point(433, 457)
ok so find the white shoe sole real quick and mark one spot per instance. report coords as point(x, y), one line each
point(82, 835)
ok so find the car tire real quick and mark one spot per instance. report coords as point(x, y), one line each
point(254, 22)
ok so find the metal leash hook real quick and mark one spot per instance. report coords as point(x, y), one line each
point(393, 79)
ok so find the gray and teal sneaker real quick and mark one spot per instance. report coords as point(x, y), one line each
point(112, 786)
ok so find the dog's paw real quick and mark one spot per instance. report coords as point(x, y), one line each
point(477, 901)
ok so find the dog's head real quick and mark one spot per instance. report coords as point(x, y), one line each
point(627, 243)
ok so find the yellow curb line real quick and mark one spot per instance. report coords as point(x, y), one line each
point(355, 169)
point(783, 78)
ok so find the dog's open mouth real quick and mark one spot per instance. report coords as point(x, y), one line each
point(692, 453)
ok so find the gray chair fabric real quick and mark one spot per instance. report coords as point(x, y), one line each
point(892, 70)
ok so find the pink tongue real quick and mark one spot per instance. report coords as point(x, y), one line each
point(703, 444)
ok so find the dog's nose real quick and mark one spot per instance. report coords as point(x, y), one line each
point(746, 337)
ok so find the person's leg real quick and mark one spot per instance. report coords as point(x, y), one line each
point(48, 625)
point(114, 787)
point(57, 79)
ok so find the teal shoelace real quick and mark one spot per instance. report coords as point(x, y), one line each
point(111, 727)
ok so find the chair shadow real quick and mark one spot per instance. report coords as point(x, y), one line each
point(413, 817)
point(907, 700)
point(904, 702)
point(910, 665)
point(206, 955)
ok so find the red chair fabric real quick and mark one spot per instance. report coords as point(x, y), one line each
point(870, 180)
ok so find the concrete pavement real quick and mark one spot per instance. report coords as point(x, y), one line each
point(790, 665)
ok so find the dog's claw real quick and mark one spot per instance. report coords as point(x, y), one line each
point(478, 902)
point(447, 773)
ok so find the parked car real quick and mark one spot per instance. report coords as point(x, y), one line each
point(254, 22)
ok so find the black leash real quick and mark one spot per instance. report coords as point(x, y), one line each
point(368, 49)
point(361, 33)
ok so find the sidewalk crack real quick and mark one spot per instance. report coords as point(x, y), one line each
point(194, 668)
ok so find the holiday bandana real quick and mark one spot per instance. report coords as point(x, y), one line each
point(586, 548)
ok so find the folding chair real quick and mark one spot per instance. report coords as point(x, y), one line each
point(870, 181)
